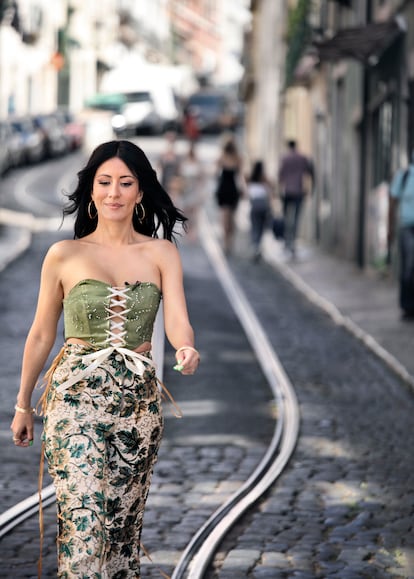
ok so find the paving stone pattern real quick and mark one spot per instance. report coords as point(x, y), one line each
point(344, 508)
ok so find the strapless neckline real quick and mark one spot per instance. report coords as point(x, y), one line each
point(91, 280)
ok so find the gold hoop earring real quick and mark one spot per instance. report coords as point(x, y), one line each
point(140, 205)
point(91, 217)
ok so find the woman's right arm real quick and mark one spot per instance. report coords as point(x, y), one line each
point(39, 341)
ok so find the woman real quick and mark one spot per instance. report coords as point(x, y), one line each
point(102, 414)
point(228, 190)
point(259, 192)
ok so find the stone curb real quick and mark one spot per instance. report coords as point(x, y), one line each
point(341, 319)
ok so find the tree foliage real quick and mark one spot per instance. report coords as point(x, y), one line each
point(298, 36)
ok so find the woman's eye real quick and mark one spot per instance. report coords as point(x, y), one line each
point(122, 183)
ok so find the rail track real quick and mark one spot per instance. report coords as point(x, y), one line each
point(205, 542)
point(201, 549)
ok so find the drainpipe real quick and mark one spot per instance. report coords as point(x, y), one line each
point(360, 249)
point(362, 173)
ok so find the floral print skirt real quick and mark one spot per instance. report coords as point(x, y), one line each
point(101, 439)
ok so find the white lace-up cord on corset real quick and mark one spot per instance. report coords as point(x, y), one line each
point(116, 332)
point(136, 363)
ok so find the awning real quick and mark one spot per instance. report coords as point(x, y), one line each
point(363, 43)
point(344, 2)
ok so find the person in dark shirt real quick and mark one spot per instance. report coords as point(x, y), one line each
point(293, 169)
point(228, 190)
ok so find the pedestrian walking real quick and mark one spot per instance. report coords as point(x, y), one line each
point(102, 406)
point(228, 190)
point(169, 167)
point(190, 124)
point(192, 190)
point(401, 214)
point(259, 194)
point(293, 169)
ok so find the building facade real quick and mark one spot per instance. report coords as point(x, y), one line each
point(346, 73)
point(51, 53)
point(358, 83)
point(57, 53)
point(261, 87)
point(28, 54)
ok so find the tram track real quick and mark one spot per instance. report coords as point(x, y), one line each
point(205, 542)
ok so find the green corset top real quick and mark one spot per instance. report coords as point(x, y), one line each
point(103, 315)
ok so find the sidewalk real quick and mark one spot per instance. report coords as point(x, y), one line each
point(361, 301)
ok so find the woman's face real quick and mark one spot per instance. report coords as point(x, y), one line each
point(115, 190)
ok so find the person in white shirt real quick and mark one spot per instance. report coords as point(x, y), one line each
point(259, 194)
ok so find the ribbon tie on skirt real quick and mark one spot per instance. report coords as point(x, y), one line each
point(135, 362)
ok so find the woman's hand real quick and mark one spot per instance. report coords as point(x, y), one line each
point(188, 359)
point(23, 429)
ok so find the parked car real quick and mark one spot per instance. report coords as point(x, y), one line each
point(74, 128)
point(32, 139)
point(214, 110)
point(15, 144)
point(53, 130)
point(5, 162)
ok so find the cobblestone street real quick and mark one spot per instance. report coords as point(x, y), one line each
point(344, 506)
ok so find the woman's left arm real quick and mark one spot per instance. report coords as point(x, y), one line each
point(177, 324)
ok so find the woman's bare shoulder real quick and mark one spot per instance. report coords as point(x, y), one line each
point(162, 245)
point(62, 249)
point(164, 250)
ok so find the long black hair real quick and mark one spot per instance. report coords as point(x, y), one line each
point(159, 209)
point(257, 175)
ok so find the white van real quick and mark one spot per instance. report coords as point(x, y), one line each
point(152, 111)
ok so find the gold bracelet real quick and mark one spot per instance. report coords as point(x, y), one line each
point(29, 410)
point(188, 348)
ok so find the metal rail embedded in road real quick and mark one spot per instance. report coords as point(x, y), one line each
point(205, 542)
